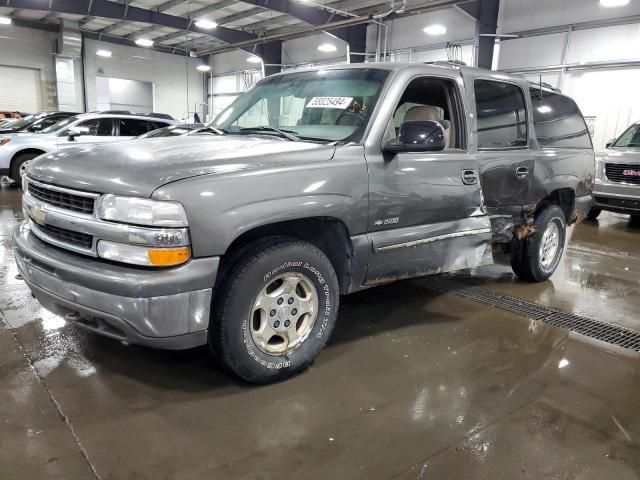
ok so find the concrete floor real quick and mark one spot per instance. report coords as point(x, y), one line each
point(414, 384)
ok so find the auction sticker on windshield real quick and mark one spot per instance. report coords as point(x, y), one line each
point(330, 102)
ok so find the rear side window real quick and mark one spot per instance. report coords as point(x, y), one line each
point(130, 127)
point(100, 127)
point(502, 115)
point(558, 121)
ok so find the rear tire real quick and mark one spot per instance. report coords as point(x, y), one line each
point(274, 310)
point(536, 257)
point(594, 213)
point(19, 164)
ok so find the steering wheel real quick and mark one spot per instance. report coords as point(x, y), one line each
point(358, 116)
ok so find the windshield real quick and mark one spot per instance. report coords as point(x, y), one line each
point(323, 105)
point(630, 138)
point(59, 126)
point(172, 131)
point(22, 122)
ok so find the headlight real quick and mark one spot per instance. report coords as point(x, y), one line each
point(4, 141)
point(139, 255)
point(142, 211)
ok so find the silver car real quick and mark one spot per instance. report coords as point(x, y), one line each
point(16, 151)
point(617, 187)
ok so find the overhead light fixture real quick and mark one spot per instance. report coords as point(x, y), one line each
point(614, 3)
point(327, 47)
point(144, 42)
point(435, 29)
point(254, 59)
point(203, 68)
point(103, 53)
point(206, 24)
point(5, 21)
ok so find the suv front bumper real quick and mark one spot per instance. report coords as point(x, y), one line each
point(166, 308)
point(616, 197)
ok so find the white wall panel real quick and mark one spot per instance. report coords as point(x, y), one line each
point(28, 48)
point(178, 86)
point(305, 50)
point(20, 89)
point(521, 15)
point(601, 44)
point(532, 51)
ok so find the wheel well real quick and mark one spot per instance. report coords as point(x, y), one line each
point(328, 234)
point(22, 152)
point(565, 198)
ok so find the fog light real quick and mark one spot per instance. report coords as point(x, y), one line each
point(140, 255)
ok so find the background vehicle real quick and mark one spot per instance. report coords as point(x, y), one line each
point(81, 130)
point(325, 182)
point(617, 187)
point(34, 122)
point(180, 130)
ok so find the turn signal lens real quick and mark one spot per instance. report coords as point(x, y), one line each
point(165, 257)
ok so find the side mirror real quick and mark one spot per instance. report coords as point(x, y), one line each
point(418, 136)
point(610, 142)
point(76, 132)
point(37, 127)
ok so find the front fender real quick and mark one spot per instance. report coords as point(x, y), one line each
point(222, 209)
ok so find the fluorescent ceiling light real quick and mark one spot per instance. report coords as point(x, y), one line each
point(5, 21)
point(203, 68)
point(327, 47)
point(144, 42)
point(435, 30)
point(103, 53)
point(614, 3)
point(254, 59)
point(206, 24)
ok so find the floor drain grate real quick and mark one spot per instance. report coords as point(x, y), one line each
point(606, 332)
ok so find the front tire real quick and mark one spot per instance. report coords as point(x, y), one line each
point(274, 310)
point(19, 165)
point(594, 212)
point(536, 257)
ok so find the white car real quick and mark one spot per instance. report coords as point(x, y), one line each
point(16, 151)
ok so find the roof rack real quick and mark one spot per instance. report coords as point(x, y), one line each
point(164, 116)
point(448, 63)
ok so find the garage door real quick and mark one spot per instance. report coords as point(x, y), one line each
point(20, 89)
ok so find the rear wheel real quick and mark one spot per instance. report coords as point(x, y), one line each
point(19, 166)
point(274, 310)
point(536, 257)
point(594, 213)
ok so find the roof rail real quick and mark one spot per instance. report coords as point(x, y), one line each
point(116, 112)
point(164, 116)
point(542, 85)
point(448, 63)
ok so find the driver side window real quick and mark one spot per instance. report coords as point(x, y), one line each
point(431, 99)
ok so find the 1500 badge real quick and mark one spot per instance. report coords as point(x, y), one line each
point(386, 221)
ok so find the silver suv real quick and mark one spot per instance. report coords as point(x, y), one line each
point(16, 151)
point(617, 186)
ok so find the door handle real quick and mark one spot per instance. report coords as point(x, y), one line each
point(522, 173)
point(469, 177)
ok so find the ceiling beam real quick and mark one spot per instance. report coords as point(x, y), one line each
point(107, 9)
point(486, 14)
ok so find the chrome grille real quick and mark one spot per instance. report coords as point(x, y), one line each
point(61, 199)
point(67, 236)
point(623, 173)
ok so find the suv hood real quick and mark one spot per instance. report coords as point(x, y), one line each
point(139, 167)
point(620, 155)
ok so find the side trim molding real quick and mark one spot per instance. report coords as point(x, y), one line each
point(437, 238)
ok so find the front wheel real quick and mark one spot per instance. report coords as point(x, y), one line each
point(536, 257)
point(274, 310)
point(594, 212)
point(19, 167)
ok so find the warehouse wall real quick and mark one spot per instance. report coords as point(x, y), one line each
point(407, 42)
point(608, 95)
point(305, 50)
point(28, 48)
point(178, 86)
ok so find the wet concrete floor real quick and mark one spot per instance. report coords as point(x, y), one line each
point(414, 384)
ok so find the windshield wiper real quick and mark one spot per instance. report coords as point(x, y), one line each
point(266, 128)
